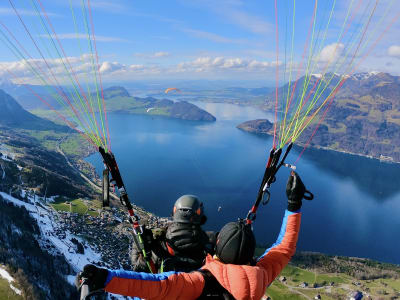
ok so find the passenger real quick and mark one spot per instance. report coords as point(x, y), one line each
point(182, 245)
point(230, 274)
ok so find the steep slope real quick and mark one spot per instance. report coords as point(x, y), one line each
point(364, 118)
point(13, 115)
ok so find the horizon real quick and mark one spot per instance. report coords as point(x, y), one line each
point(153, 41)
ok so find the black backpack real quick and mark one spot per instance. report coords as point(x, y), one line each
point(212, 288)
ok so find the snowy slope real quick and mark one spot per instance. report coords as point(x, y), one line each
point(4, 274)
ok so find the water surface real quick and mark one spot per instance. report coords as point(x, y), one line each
point(357, 200)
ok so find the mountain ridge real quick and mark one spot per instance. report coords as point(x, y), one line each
point(363, 119)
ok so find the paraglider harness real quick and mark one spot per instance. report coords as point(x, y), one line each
point(272, 167)
point(112, 168)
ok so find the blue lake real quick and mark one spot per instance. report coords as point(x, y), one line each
point(357, 200)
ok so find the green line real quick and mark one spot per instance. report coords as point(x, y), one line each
point(94, 72)
point(320, 49)
point(291, 67)
point(77, 94)
point(360, 34)
point(308, 63)
point(87, 81)
point(314, 100)
point(19, 55)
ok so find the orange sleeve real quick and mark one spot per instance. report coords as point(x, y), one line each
point(279, 254)
point(169, 285)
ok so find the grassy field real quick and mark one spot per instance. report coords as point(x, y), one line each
point(343, 285)
point(6, 292)
point(78, 206)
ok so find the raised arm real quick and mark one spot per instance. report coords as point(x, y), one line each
point(279, 254)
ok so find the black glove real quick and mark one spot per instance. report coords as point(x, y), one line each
point(295, 190)
point(95, 277)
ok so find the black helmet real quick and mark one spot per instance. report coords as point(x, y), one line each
point(235, 243)
point(189, 209)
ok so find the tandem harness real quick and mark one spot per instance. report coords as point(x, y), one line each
point(212, 288)
point(273, 166)
point(112, 167)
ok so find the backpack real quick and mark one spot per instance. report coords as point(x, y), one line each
point(213, 289)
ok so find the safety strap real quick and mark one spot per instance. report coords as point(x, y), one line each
point(212, 288)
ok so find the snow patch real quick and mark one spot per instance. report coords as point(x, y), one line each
point(4, 274)
point(50, 238)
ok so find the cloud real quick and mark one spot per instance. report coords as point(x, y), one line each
point(212, 36)
point(23, 12)
point(233, 11)
point(82, 36)
point(394, 51)
point(221, 64)
point(160, 54)
point(114, 70)
point(330, 52)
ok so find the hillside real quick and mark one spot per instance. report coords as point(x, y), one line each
point(364, 118)
point(119, 100)
point(13, 115)
point(334, 277)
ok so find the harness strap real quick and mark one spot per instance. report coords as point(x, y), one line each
point(212, 288)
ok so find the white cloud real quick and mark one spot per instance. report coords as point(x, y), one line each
point(109, 67)
point(221, 64)
point(82, 36)
point(330, 52)
point(112, 70)
point(160, 54)
point(233, 11)
point(394, 51)
point(23, 12)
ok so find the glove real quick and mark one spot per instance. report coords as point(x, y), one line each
point(295, 190)
point(95, 277)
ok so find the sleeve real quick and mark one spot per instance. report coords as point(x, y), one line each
point(169, 285)
point(279, 254)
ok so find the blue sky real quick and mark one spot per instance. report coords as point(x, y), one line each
point(196, 39)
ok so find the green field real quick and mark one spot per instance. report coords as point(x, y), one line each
point(383, 288)
point(76, 206)
point(6, 292)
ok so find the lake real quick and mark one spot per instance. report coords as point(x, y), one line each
point(356, 207)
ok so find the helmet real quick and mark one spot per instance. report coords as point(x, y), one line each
point(235, 243)
point(189, 209)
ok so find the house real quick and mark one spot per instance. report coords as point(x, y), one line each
point(355, 295)
point(304, 285)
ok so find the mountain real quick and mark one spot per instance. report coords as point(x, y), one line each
point(114, 91)
point(118, 100)
point(364, 117)
point(13, 115)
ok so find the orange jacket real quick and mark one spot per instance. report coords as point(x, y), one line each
point(242, 281)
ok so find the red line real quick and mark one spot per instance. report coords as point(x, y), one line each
point(101, 83)
point(276, 72)
point(66, 58)
point(71, 125)
point(352, 72)
point(306, 45)
point(327, 64)
point(41, 54)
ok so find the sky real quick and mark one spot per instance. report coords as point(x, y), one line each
point(197, 39)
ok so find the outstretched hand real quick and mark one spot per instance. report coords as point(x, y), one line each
point(295, 192)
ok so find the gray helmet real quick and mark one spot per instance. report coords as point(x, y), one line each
point(188, 209)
